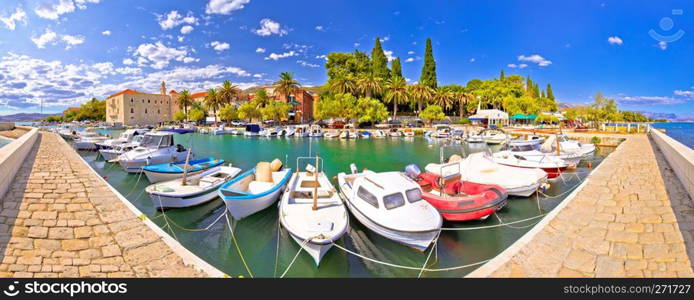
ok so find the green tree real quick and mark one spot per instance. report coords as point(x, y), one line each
point(550, 93)
point(228, 113)
point(428, 76)
point(502, 75)
point(463, 98)
point(342, 84)
point(370, 110)
point(93, 110)
point(379, 61)
point(249, 110)
point(369, 85)
point(184, 100)
point(276, 110)
point(396, 93)
point(396, 68)
point(443, 98)
point(179, 116)
point(228, 92)
point(213, 102)
point(422, 94)
point(347, 64)
point(432, 113)
point(336, 106)
point(197, 115)
point(286, 85)
point(261, 98)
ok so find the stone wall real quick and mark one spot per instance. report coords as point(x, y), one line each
point(679, 156)
point(6, 126)
point(12, 156)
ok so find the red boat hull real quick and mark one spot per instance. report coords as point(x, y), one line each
point(462, 200)
point(551, 172)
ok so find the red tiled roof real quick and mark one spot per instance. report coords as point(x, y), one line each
point(126, 91)
point(173, 92)
point(198, 95)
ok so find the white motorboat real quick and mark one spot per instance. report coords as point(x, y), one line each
point(254, 190)
point(117, 150)
point(156, 148)
point(219, 130)
point(391, 205)
point(441, 131)
point(481, 168)
point(572, 146)
point(349, 132)
point(198, 189)
point(379, 133)
point(270, 132)
point(88, 140)
point(124, 138)
point(312, 212)
point(394, 133)
point(331, 134)
point(171, 171)
point(494, 137)
point(301, 131)
point(316, 131)
point(528, 157)
point(408, 132)
point(475, 138)
point(287, 131)
point(252, 130)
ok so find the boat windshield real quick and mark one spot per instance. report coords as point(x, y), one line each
point(367, 197)
point(155, 141)
point(414, 195)
point(519, 148)
point(393, 201)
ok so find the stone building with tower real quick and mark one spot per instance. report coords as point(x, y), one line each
point(131, 108)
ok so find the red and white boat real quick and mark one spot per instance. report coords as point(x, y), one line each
point(525, 156)
point(458, 200)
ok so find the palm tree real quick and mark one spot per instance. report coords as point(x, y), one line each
point(342, 85)
point(184, 100)
point(228, 92)
point(212, 101)
point(463, 98)
point(369, 85)
point(422, 94)
point(397, 93)
point(443, 98)
point(261, 98)
point(286, 85)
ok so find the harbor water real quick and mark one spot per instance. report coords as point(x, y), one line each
point(258, 237)
point(680, 131)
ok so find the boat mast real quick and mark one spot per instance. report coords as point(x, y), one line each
point(315, 186)
point(185, 167)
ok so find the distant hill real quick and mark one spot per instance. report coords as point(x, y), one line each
point(659, 116)
point(25, 117)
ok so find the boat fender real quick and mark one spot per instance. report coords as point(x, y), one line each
point(544, 186)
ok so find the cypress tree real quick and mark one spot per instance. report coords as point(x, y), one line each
point(502, 76)
point(550, 93)
point(379, 61)
point(528, 84)
point(396, 68)
point(536, 90)
point(428, 76)
point(542, 94)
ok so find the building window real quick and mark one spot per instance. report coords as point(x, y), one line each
point(132, 110)
point(145, 110)
point(158, 112)
point(147, 100)
point(131, 100)
point(143, 100)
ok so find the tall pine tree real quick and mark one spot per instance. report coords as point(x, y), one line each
point(428, 76)
point(528, 85)
point(536, 90)
point(502, 75)
point(550, 93)
point(379, 61)
point(396, 68)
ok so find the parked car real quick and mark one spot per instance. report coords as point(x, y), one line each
point(416, 123)
point(337, 125)
point(238, 123)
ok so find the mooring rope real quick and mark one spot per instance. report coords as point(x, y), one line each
point(206, 228)
point(233, 236)
point(515, 227)
point(433, 248)
point(135, 185)
point(277, 249)
point(492, 226)
point(409, 267)
point(301, 248)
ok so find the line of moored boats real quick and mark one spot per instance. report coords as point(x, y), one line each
point(406, 206)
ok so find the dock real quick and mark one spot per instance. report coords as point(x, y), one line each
point(632, 218)
point(60, 219)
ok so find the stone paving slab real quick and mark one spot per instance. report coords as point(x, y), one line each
point(621, 224)
point(60, 220)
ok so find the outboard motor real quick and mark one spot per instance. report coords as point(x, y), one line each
point(180, 148)
point(412, 171)
point(353, 168)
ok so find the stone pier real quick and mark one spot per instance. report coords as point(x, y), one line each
point(59, 219)
point(632, 218)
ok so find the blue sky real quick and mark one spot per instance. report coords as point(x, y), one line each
point(63, 52)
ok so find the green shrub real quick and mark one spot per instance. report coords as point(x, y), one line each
point(596, 140)
point(418, 132)
point(463, 121)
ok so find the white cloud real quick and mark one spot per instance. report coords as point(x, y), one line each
point(307, 64)
point(647, 100)
point(158, 55)
point(173, 19)
point(52, 11)
point(385, 38)
point(356, 45)
point(219, 46)
point(270, 27)
point(615, 40)
point(19, 16)
point(410, 52)
point(409, 59)
point(321, 57)
point(522, 66)
point(275, 56)
point(128, 61)
point(106, 32)
point(224, 7)
point(662, 45)
point(689, 94)
point(535, 58)
point(47, 37)
point(472, 59)
point(389, 55)
point(72, 40)
point(180, 39)
point(186, 29)
point(260, 50)
point(320, 28)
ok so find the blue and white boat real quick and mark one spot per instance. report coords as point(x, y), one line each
point(246, 194)
point(252, 130)
point(171, 171)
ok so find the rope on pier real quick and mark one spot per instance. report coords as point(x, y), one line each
point(515, 227)
point(492, 226)
point(233, 236)
point(409, 267)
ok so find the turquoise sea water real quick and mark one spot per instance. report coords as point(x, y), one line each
point(681, 131)
point(257, 235)
point(4, 141)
